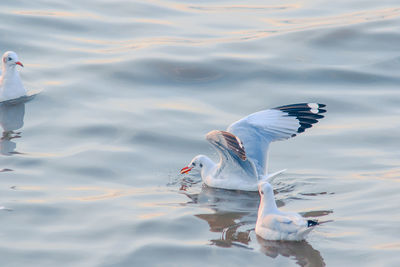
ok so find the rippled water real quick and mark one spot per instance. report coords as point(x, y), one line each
point(89, 177)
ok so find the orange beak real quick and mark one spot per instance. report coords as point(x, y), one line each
point(19, 63)
point(186, 170)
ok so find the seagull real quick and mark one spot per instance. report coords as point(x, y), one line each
point(243, 147)
point(11, 86)
point(273, 224)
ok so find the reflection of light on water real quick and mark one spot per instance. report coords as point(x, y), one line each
point(88, 194)
point(271, 27)
point(227, 8)
point(362, 124)
point(188, 106)
point(388, 246)
point(104, 61)
point(53, 82)
point(151, 215)
point(30, 188)
point(41, 13)
point(75, 150)
point(86, 15)
point(348, 234)
point(392, 174)
point(345, 19)
point(35, 201)
point(153, 21)
point(293, 25)
point(179, 104)
point(103, 193)
point(125, 45)
point(180, 107)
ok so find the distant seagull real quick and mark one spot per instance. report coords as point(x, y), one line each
point(11, 86)
point(273, 224)
point(243, 148)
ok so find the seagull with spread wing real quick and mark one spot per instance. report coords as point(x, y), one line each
point(243, 148)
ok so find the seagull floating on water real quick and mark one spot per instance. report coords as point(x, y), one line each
point(243, 148)
point(11, 86)
point(273, 224)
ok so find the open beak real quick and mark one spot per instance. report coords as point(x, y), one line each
point(186, 170)
point(19, 63)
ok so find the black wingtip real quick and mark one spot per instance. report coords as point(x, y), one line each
point(306, 113)
point(311, 223)
point(302, 105)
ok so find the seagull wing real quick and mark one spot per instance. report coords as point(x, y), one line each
point(259, 129)
point(283, 223)
point(232, 153)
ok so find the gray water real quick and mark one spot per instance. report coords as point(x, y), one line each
point(90, 176)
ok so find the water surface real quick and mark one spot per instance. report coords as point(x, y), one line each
point(89, 173)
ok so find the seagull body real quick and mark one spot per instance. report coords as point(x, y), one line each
point(243, 148)
point(11, 86)
point(273, 224)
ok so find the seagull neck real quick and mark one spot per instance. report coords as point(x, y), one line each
point(267, 205)
point(11, 83)
point(9, 74)
point(208, 166)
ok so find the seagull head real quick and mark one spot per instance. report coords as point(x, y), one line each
point(267, 201)
point(196, 164)
point(10, 59)
point(265, 188)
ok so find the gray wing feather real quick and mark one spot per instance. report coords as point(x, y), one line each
point(259, 129)
point(231, 151)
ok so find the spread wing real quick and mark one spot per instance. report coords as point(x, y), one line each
point(259, 129)
point(232, 153)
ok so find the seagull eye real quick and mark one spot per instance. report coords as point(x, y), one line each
point(201, 165)
point(9, 59)
point(262, 192)
point(193, 164)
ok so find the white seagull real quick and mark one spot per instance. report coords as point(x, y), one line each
point(273, 224)
point(11, 86)
point(243, 148)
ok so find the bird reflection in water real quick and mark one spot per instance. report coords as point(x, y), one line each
point(235, 214)
point(229, 224)
point(301, 251)
point(11, 119)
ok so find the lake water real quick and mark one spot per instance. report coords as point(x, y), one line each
point(130, 88)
